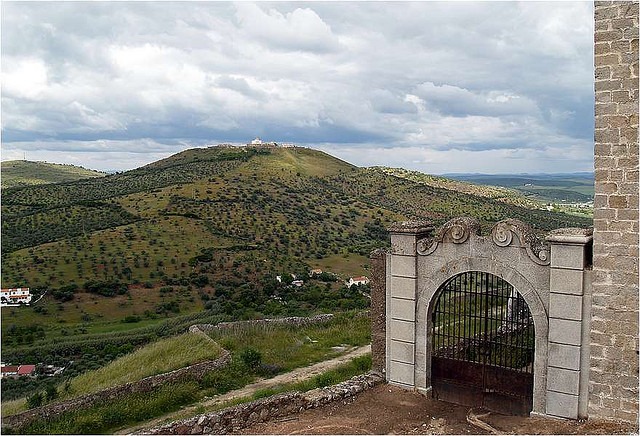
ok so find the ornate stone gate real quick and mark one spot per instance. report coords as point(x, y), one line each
point(552, 277)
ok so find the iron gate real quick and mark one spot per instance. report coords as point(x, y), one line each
point(482, 345)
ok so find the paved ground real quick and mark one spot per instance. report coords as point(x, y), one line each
point(390, 410)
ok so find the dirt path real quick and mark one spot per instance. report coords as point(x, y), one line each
point(387, 409)
point(297, 375)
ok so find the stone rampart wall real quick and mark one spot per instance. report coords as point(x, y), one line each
point(613, 380)
point(238, 417)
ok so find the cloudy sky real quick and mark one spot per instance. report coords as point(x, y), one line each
point(439, 87)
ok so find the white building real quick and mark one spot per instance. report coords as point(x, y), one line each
point(361, 280)
point(15, 296)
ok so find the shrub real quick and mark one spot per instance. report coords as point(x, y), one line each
point(233, 376)
point(251, 358)
point(34, 400)
point(50, 393)
point(106, 289)
point(131, 319)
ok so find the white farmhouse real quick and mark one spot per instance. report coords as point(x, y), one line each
point(361, 280)
point(15, 296)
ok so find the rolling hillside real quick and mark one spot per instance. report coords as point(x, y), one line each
point(226, 213)
point(18, 173)
point(210, 229)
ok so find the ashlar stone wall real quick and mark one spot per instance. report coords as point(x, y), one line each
point(613, 381)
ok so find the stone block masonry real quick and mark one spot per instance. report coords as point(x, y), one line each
point(569, 299)
point(378, 261)
point(296, 321)
point(613, 378)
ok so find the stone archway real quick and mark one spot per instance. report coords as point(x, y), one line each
point(424, 309)
point(423, 259)
point(482, 344)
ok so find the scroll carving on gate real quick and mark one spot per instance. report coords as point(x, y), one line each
point(456, 230)
point(502, 235)
point(459, 230)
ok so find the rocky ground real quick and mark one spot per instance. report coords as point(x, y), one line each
point(388, 409)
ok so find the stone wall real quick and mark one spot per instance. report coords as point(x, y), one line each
point(613, 380)
point(378, 261)
point(147, 384)
point(297, 321)
point(277, 406)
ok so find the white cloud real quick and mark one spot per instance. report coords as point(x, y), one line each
point(24, 77)
point(302, 29)
point(441, 77)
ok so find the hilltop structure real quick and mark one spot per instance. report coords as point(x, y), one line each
point(259, 143)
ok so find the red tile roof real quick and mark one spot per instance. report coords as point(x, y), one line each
point(26, 369)
point(10, 369)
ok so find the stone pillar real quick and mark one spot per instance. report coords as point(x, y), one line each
point(614, 335)
point(378, 260)
point(569, 306)
point(401, 301)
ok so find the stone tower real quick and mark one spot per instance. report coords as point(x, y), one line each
point(613, 380)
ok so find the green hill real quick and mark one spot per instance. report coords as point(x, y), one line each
point(216, 225)
point(16, 173)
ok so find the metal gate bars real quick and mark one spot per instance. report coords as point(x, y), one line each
point(482, 344)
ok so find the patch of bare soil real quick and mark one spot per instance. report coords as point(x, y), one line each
point(388, 409)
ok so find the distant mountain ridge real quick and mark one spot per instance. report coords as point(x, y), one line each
point(506, 195)
point(17, 173)
point(557, 188)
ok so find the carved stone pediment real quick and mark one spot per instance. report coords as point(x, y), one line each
point(458, 231)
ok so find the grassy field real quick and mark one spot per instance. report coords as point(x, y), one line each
point(159, 357)
point(345, 265)
point(287, 347)
point(96, 314)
